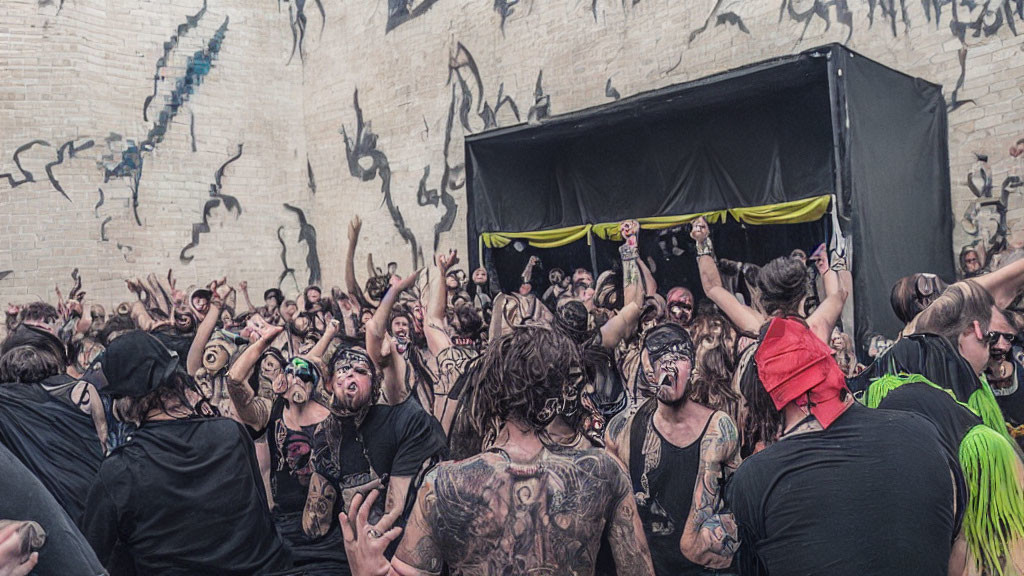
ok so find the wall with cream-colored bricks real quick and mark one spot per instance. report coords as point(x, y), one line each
point(80, 71)
point(84, 72)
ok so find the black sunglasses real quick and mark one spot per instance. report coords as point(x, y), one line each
point(993, 337)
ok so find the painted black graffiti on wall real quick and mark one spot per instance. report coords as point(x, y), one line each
point(298, 21)
point(307, 234)
point(805, 13)
point(5, 273)
point(610, 91)
point(541, 108)
point(401, 11)
point(363, 148)
point(505, 8)
point(216, 198)
point(190, 23)
point(197, 67)
point(722, 14)
point(23, 176)
point(66, 151)
point(310, 180)
point(288, 271)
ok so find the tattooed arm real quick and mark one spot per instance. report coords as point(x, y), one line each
point(710, 538)
point(615, 437)
point(419, 553)
point(626, 533)
point(317, 515)
point(398, 493)
point(252, 410)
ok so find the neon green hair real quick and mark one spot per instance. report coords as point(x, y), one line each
point(994, 520)
point(881, 387)
point(983, 403)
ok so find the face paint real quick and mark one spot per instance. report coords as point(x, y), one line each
point(353, 384)
point(667, 359)
point(300, 378)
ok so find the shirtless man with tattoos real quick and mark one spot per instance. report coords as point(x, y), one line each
point(526, 505)
point(677, 452)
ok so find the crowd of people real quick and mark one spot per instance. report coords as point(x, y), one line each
point(434, 424)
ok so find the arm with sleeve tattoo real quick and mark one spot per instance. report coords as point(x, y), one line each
point(317, 515)
point(615, 436)
point(419, 552)
point(253, 410)
point(710, 538)
point(626, 533)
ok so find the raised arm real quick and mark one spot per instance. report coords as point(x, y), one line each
point(203, 333)
point(330, 332)
point(243, 287)
point(746, 319)
point(435, 325)
point(710, 537)
point(253, 410)
point(350, 262)
point(620, 326)
point(1004, 284)
point(828, 312)
point(632, 276)
point(392, 363)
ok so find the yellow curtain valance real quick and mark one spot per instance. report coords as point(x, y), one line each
point(795, 212)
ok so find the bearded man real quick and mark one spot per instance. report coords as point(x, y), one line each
point(368, 445)
point(676, 452)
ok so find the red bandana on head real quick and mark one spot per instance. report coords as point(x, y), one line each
point(794, 364)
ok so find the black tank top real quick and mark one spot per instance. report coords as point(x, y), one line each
point(291, 464)
point(665, 505)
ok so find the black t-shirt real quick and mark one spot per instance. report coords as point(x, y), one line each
point(395, 440)
point(927, 354)
point(185, 497)
point(872, 494)
point(66, 553)
point(54, 440)
point(952, 420)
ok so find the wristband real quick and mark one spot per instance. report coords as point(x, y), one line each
point(628, 252)
point(705, 248)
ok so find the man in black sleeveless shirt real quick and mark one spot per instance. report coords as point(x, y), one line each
point(676, 451)
point(846, 490)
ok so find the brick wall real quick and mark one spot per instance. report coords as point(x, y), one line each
point(81, 71)
point(84, 73)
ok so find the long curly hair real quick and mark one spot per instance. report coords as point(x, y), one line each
point(528, 376)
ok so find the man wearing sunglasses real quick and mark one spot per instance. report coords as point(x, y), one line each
point(1005, 374)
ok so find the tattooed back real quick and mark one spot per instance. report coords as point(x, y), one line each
point(489, 515)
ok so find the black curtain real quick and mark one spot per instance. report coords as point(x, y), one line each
point(897, 173)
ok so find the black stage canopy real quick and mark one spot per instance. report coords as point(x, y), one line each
point(767, 143)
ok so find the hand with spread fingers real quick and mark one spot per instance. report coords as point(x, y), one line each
point(364, 542)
